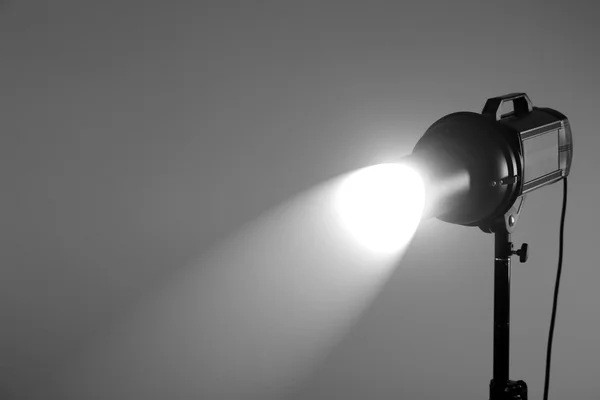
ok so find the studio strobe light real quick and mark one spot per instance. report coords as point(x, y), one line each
point(477, 170)
point(474, 170)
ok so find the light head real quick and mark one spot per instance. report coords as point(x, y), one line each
point(477, 168)
point(467, 169)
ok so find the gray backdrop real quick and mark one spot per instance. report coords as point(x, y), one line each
point(137, 135)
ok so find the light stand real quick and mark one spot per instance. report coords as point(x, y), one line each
point(501, 388)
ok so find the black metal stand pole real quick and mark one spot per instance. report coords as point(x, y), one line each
point(501, 388)
point(503, 253)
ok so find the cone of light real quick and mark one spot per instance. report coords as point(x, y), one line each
point(254, 315)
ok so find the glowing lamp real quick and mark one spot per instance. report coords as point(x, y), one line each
point(477, 168)
point(474, 170)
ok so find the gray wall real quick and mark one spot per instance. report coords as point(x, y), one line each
point(138, 137)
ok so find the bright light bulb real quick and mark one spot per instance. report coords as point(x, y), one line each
point(382, 205)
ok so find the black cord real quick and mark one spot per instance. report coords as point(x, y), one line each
point(557, 284)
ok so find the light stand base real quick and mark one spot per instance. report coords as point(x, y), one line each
point(509, 390)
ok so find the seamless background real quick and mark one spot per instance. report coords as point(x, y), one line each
point(137, 135)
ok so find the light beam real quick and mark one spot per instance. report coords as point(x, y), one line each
point(250, 318)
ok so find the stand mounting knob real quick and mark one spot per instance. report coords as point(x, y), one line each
point(523, 252)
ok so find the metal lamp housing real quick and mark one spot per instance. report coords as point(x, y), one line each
point(494, 158)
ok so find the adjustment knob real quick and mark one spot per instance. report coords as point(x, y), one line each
point(523, 252)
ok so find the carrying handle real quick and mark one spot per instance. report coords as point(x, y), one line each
point(521, 105)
